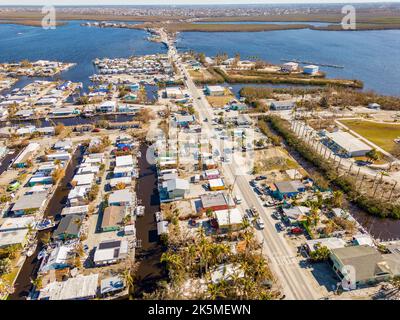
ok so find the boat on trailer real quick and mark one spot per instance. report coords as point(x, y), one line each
point(45, 224)
point(139, 211)
point(31, 250)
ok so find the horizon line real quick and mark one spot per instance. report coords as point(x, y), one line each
point(293, 2)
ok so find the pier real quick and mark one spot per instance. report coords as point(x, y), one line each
point(314, 63)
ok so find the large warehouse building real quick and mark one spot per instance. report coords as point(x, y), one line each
point(346, 144)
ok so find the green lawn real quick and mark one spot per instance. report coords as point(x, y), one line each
point(381, 134)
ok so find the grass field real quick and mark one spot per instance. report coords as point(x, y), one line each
point(381, 134)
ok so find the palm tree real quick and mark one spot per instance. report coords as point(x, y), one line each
point(214, 291)
point(12, 251)
point(127, 278)
point(396, 283)
point(314, 215)
point(337, 198)
point(45, 239)
point(5, 289)
point(174, 263)
point(37, 283)
point(192, 254)
point(79, 250)
point(204, 250)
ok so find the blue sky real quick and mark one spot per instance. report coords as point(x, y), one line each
point(169, 2)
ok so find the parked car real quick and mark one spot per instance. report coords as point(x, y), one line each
point(269, 203)
point(280, 226)
point(362, 163)
point(158, 216)
point(238, 200)
point(253, 211)
point(14, 185)
point(276, 215)
point(258, 178)
point(258, 190)
point(296, 230)
point(253, 183)
point(260, 223)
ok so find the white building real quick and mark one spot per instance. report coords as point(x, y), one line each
point(347, 144)
point(62, 156)
point(110, 251)
point(310, 69)
point(215, 90)
point(124, 161)
point(173, 93)
point(107, 106)
point(282, 105)
point(78, 288)
point(83, 179)
point(290, 67)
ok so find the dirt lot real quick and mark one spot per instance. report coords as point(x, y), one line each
point(202, 75)
point(220, 101)
point(273, 159)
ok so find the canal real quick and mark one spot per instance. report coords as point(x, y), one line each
point(57, 202)
point(69, 121)
point(149, 250)
point(7, 160)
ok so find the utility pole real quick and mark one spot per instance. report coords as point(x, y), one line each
point(337, 168)
point(391, 191)
point(358, 172)
point(362, 179)
point(376, 188)
point(351, 166)
point(326, 150)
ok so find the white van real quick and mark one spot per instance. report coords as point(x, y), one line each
point(238, 200)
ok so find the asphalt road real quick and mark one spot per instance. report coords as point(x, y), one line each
point(283, 260)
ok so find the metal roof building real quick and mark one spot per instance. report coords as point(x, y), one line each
point(79, 288)
point(347, 144)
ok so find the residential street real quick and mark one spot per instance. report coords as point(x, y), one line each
point(295, 282)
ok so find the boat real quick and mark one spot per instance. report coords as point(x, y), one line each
point(31, 250)
point(45, 224)
point(158, 216)
point(88, 114)
point(42, 254)
point(139, 211)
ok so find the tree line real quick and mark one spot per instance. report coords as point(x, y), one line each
point(371, 205)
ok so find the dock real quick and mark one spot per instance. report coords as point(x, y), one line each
point(314, 63)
